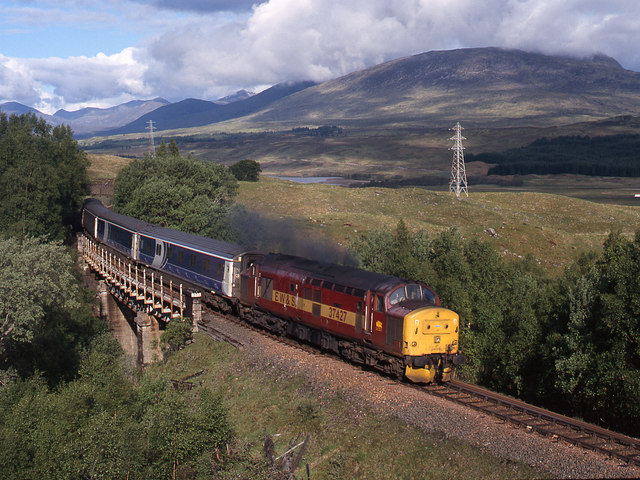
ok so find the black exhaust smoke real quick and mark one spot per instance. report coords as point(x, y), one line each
point(264, 234)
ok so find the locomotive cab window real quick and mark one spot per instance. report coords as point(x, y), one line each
point(428, 295)
point(397, 296)
point(414, 292)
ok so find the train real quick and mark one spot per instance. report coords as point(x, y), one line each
point(393, 325)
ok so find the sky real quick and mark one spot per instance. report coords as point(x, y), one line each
point(77, 53)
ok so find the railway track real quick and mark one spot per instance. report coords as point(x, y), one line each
point(543, 421)
point(508, 409)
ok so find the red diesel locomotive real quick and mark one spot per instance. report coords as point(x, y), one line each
point(393, 325)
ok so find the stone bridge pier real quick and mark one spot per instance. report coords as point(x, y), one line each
point(137, 332)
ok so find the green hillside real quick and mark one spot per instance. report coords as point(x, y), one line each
point(553, 228)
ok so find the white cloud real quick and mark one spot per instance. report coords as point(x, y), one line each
point(210, 54)
point(52, 83)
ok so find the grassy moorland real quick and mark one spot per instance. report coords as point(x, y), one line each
point(553, 228)
point(105, 167)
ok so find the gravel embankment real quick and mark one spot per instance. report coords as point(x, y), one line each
point(367, 391)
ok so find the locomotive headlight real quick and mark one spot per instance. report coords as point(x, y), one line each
point(414, 344)
point(436, 339)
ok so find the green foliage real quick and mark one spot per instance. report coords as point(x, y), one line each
point(400, 253)
point(46, 317)
point(598, 362)
point(43, 177)
point(103, 426)
point(36, 278)
point(162, 151)
point(173, 148)
point(176, 192)
point(177, 334)
point(610, 155)
point(246, 170)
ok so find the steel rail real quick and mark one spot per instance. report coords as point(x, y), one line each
point(545, 422)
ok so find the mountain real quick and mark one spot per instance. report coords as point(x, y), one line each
point(15, 108)
point(86, 121)
point(194, 113)
point(476, 86)
point(239, 95)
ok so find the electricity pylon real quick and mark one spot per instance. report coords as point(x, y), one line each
point(152, 147)
point(458, 182)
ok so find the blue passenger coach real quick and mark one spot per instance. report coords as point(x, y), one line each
point(210, 263)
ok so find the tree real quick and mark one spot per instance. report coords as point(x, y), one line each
point(181, 193)
point(177, 334)
point(101, 425)
point(598, 364)
point(246, 170)
point(173, 148)
point(162, 151)
point(43, 177)
point(35, 278)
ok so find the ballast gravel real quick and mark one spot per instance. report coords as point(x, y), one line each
point(368, 391)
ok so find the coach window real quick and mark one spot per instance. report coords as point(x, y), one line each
point(192, 260)
point(180, 257)
point(205, 265)
point(158, 249)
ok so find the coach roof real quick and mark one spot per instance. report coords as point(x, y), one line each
point(188, 240)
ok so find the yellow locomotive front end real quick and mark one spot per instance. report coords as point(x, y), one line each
point(430, 347)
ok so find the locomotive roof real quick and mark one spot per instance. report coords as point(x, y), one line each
point(338, 274)
point(189, 240)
